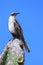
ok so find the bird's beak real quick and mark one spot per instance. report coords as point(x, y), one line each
point(17, 13)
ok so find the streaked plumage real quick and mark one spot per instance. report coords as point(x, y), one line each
point(16, 30)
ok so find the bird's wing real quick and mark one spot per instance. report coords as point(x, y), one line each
point(20, 33)
point(18, 28)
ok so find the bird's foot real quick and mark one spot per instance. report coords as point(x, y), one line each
point(11, 39)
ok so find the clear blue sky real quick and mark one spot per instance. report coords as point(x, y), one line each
point(31, 20)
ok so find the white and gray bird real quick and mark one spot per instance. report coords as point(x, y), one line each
point(16, 30)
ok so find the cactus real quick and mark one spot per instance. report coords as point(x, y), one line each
point(13, 53)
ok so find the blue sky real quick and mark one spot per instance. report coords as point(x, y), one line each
point(31, 20)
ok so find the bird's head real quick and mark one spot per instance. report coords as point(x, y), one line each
point(14, 14)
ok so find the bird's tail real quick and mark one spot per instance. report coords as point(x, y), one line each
point(26, 46)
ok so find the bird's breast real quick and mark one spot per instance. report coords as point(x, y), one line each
point(11, 26)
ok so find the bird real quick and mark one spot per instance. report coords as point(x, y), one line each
point(15, 29)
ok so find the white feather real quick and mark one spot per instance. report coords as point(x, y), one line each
point(11, 24)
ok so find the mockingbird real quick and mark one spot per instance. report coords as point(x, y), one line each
point(16, 30)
